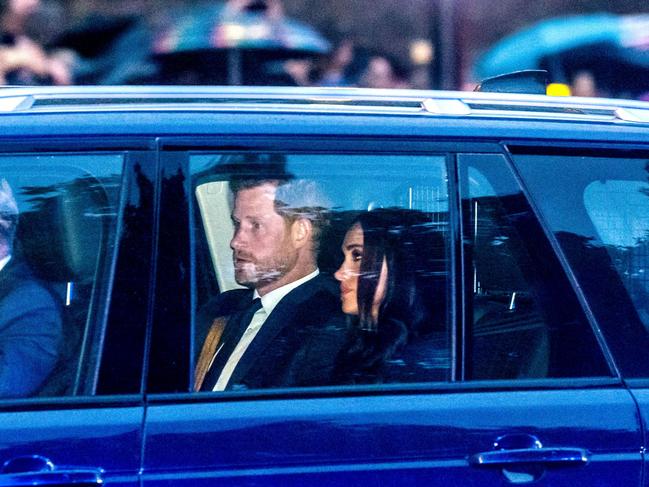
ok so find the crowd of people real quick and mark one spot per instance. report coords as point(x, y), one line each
point(27, 58)
point(32, 53)
point(24, 60)
point(350, 65)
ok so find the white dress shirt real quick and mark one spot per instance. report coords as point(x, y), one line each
point(268, 303)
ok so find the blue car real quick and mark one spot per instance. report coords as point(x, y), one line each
point(501, 336)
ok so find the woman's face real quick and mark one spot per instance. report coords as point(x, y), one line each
point(350, 269)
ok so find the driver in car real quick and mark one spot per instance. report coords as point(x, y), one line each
point(30, 316)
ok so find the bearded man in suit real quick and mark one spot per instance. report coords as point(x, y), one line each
point(292, 336)
point(30, 318)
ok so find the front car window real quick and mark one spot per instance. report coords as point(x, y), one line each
point(58, 219)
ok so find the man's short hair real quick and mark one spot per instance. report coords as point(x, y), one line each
point(8, 214)
point(294, 199)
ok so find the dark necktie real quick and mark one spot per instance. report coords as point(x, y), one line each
point(239, 322)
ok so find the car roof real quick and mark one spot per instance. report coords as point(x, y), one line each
point(200, 109)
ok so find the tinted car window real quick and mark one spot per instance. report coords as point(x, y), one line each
point(402, 204)
point(58, 227)
point(598, 209)
point(526, 321)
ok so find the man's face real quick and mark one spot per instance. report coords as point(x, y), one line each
point(8, 215)
point(263, 251)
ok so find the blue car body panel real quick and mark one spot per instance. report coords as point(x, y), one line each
point(82, 439)
point(50, 126)
point(424, 439)
point(431, 435)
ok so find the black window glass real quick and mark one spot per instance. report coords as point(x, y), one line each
point(598, 209)
point(57, 238)
point(524, 316)
point(375, 231)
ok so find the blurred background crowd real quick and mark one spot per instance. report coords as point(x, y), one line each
point(592, 47)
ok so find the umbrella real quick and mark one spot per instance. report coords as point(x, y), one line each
point(94, 35)
point(112, 50)
point(226, 37)
point(616, 47)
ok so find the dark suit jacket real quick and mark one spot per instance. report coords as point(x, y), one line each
point(297, 344)
point(30, 331)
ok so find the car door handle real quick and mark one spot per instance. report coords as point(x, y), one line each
point(37, 470)
point(58, 477)
point(548, 456)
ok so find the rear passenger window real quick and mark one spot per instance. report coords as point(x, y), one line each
point(597, 206)
point(525, 319)
point(57, 238)
point(349, 255)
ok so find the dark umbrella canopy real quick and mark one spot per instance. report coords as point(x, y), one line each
point(218, 37)
point(112, 50)
point(216, 27)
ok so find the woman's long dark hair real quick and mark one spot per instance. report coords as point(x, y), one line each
point(400, 237)
point(414, 299)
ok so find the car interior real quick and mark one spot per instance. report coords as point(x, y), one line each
point(63, 237)
point(510, 337)
point(214, 230)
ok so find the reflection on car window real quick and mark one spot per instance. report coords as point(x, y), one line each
point(57, 227)
point(348, 255)
point(619, 211)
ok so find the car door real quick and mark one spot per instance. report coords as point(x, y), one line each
point(513, 386)
point(528, 325)
point(604, 238)
point(73, 325)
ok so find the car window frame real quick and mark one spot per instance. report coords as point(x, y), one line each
point(618, 351)
point(565, 267)
point(131, 150)
point(183, 146)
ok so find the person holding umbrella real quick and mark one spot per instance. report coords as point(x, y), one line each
point(239, 42)
point(23, 61)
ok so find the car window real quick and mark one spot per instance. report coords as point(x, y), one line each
point(57, 238)
point(619, 211)
point(255, 219)
point(525, 318)
point(598, 209)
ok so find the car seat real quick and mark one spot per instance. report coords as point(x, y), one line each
point(62, 240)
point(510, 336)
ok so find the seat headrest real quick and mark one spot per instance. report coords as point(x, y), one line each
point(61, 237)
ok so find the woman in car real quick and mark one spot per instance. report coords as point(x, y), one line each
point(395, 298)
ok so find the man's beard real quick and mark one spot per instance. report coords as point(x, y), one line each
point(252, 274)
